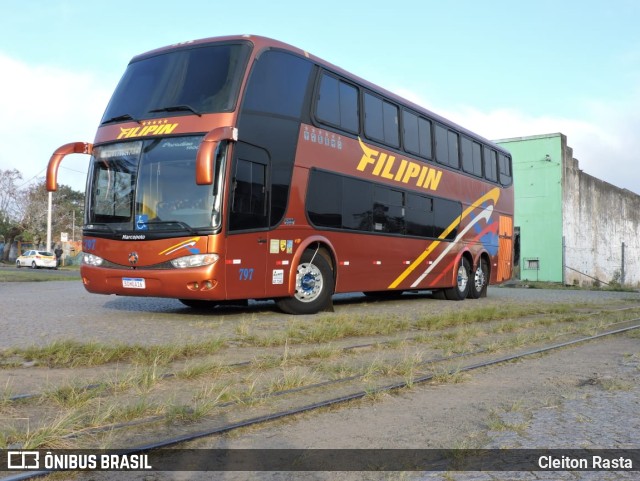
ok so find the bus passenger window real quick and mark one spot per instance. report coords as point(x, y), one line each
point(357, 205)
point(471, 153)
point(442, 145)
point(504, 164)
point(411, 137)
point(490, 164)
point(390, 116)
point(381, 120)
point(338, 104)
point(373, 126)
point(419, 216)
point(454, 156)
point(324, 199)
point(388, 210)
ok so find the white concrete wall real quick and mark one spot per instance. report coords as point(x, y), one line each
point(597, 218)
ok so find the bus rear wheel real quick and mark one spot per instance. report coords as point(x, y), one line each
point(314, 285)
point(461, 289)
point(478, 285)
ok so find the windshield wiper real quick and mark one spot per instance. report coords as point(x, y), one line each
point(168, 224)
point(99, 226)
point(177, 108)
point(119, 118)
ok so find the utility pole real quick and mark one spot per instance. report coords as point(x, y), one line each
point(564, 260)
point(622, 267)
point(48, 247)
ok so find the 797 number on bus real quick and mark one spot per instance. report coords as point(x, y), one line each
point(246, 274)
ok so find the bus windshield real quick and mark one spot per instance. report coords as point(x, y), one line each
point(197, 80)
point(150, 186)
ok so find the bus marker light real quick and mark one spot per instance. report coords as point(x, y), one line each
point(343, 263)
point(233, 261)
point(208, 285)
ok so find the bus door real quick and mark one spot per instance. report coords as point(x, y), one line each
point(247, 244)
point(505, 248)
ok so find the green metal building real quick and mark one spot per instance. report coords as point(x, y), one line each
point(537, 178)
point(570, 227)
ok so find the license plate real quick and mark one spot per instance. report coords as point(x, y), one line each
point(133, 282)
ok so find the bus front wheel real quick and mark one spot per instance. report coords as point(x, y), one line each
point(461, 289)
point(314, 285)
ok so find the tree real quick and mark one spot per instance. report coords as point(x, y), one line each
point(68, 210)
point(23, 212)
point(66, 203)
point(11, 201)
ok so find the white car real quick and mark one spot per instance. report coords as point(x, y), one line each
point(36, 259)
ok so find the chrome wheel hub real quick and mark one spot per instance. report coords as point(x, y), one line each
point(309, 282)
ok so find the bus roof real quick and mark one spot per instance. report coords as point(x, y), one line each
point(261, 43)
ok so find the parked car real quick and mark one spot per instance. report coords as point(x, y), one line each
point(36, 259)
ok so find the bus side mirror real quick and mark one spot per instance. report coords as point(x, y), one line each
point(207, 151)
point(58, 155)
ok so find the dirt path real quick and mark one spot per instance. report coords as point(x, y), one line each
point(584, 396)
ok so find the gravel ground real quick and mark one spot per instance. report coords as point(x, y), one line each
point(71, 313)
point(583, 396)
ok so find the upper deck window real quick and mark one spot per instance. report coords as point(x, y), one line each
point(490, 164)
point(338, 104)
point(381, 120)
point(471, 153)
point(201, 79)
point(417, 134)
point(447, 152)
point(278, 84)
point(504, 166)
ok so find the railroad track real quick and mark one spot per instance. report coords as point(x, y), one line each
point(470, 359)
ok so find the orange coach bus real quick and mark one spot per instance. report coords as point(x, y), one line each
point(240, 167)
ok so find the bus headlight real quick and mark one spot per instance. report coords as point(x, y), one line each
point(91, 260)
point(197, 260)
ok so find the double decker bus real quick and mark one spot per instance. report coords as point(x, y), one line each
point(239, 167)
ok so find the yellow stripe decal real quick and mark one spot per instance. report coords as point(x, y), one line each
point(188, 243)
point(493, 194)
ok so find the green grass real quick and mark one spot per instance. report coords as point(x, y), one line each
point(315, 360)
point(184, 413)
point(28, 275)
point(495, 422)
point(75, 354)
point(291, 379)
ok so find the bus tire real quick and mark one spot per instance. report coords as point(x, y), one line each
point(479, 280)
point(461, 289)
point(438, 294)
point(314, 285)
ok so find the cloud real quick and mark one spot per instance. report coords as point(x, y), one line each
point(603, 135)
point(44, 107)
point(604, 141)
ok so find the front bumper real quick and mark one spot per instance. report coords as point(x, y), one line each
point(190, 283)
